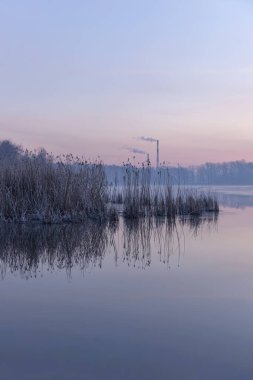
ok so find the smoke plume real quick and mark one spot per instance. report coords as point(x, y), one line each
point(150, 139)
point(135, 150)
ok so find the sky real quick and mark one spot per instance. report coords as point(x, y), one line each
point(90, 77)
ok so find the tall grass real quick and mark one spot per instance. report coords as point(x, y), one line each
point(44, 188)
point(41, 187)
point(140, 197)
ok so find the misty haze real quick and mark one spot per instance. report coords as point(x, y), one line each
point(126, 190)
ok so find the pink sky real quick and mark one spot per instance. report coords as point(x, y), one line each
point(94, 78)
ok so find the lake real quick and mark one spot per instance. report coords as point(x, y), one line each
point(145, 300)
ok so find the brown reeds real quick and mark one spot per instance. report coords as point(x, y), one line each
point(140, 197)
point(48, 189)
point(39, 187)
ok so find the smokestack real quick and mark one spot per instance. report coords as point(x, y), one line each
point(157, 153)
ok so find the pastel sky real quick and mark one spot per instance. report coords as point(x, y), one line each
point(90, 77)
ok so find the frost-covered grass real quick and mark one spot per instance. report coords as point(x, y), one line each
point(48, 189)
point(40, 187)
point(141, 197)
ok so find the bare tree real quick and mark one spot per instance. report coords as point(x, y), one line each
point(9, 151)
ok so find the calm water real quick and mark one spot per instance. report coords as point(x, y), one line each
point(137, 301)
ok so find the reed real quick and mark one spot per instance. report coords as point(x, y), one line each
point(142, 197)
point(48, 189)
point(40, 187)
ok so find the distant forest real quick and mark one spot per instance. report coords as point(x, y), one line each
point(226, 173)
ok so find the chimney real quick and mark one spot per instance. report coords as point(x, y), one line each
point(157, 154)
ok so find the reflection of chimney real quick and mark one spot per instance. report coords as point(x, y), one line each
point(148, 161)
point(157, 153)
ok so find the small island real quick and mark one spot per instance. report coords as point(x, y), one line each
point(40, 187)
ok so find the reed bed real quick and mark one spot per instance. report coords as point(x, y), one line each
point(40, 187)
point(48, 189)
point(142, 198)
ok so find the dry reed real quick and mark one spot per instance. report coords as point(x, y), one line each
point(140, 197)
point(41, 187)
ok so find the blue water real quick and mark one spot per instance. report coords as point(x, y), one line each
point(132, 302)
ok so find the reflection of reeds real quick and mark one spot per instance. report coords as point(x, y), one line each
point(137, 237)
point(195, 223)
point(28, 249)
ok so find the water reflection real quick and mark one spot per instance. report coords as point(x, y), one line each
point(239, 197)
point(239, 201)
point(30, 250)
point(161, 237)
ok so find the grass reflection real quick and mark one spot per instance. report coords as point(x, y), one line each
point(30, 250)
